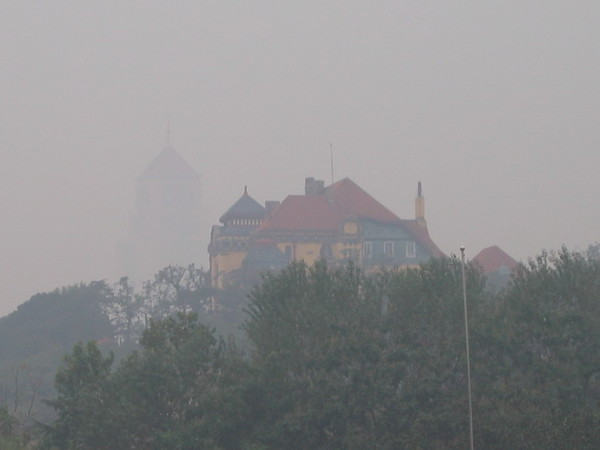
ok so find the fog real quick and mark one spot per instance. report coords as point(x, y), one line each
point(494, 106)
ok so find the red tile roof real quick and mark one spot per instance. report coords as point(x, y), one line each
point(421, 235)
point(303, 212)
point(324, 212)
point(350, 199)
point(493, 258)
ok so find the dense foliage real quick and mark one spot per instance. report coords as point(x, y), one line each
point(363, 362)
point(337, 359)
point(37, 335)
point(160, 397)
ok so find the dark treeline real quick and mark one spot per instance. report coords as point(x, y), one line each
point(43, 329)
point(337, 359)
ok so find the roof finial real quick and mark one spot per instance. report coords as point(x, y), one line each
point(245, 189)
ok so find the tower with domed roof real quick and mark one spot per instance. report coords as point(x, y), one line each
point(230, 242)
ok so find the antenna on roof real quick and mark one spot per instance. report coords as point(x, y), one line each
point(331, 158)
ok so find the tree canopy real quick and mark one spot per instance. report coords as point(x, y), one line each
point(340, 359)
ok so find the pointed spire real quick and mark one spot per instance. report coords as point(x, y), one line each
point(245, 189)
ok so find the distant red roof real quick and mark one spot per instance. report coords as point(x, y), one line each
point(325, 211)
point(494, 258)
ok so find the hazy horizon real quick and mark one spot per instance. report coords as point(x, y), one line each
point(493, 107)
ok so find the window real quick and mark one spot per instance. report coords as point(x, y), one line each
point(411, 249)
point(326, 251)
point(388, 249)
point(367, 249)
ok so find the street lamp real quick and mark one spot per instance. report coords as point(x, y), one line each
point(464, 286)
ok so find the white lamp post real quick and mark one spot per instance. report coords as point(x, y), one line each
point(464, 285)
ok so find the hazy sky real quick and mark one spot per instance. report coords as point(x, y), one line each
point(494, 106)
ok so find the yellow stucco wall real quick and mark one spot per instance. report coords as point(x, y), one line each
point(282, 245)
point(225, 263)
point(351, 228)
point(309, 252)
point(340, 250)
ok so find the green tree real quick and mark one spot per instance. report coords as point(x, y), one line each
point(317, 343)
point(550, 323)
point(37, 335)
point(181, 390)
point(425, 353)
point(170, 393)
point(83, 403)
point(126, 311)
point(355, 361)
point(60, 318)
point(11, 437)
point(340, 359)
point(176, 289)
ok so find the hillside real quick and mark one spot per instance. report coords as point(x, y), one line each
point(39, 333)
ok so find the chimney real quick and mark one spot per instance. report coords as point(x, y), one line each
point(313, 187)
point(420, 206)
point(270, 206)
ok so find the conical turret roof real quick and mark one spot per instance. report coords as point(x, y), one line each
point(245, 208)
